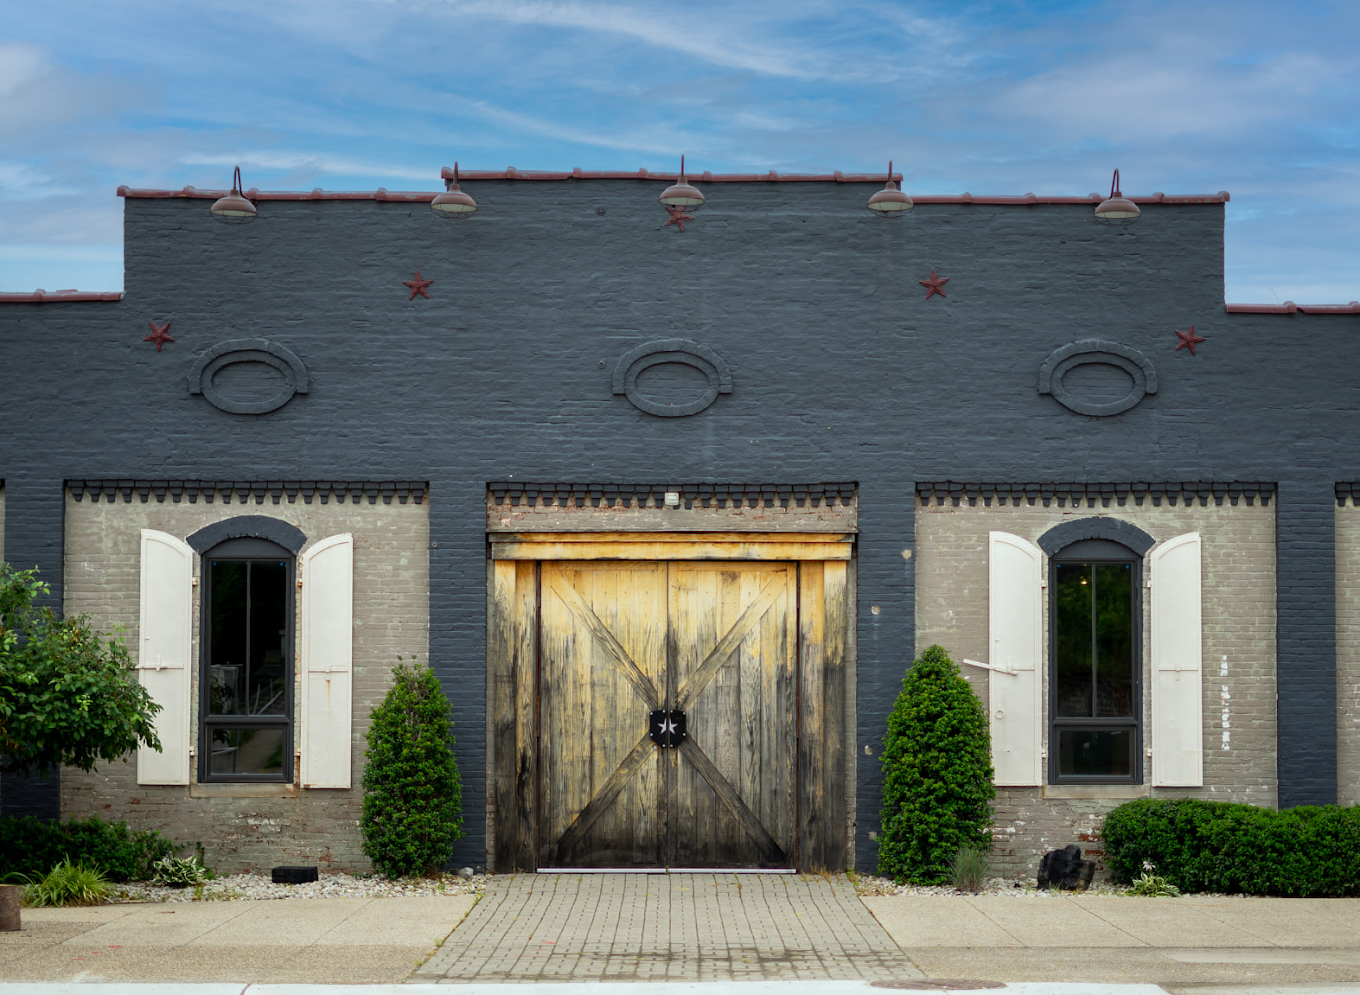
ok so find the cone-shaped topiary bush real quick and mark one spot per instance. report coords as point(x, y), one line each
point(937, 774)
point(413, 796)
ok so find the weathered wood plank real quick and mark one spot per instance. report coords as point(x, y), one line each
point(779, 792)
point(812, 775)
point(502, 744)
point(525, 667)
point(743, 549)
point(672, 538)
point(694, 620)
point(834, 728)
point(753, 715)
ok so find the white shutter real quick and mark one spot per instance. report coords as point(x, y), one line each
point(164, 656)
point(1016, 618)
point(1177, 681)
point(327, 662)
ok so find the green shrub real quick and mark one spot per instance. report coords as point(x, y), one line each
point(32, 847)
point(68, 884)
point(413, 804)
point(1228, 847)
point(937, 774)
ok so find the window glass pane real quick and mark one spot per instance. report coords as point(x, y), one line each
point(1095, 752)
point(1114, 639)
point(227, 623)
point(1072, 640)
point(247, 751)
point(265, 690)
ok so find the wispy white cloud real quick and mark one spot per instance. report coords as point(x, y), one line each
point(289, 162)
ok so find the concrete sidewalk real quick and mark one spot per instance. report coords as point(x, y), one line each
point(342, 940)
point(1189, 941)
point(631, 929)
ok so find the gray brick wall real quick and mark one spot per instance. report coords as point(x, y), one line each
point(1238, 647)
point(239, 829)
point(1348, 654)
point(842, 370)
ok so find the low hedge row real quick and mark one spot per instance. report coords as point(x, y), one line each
point(1228, 847)
point(34, 846)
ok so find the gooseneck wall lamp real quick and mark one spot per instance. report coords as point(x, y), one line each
point(890, 202)
point(1116, 209)
point(681, 194)
point(453, 203)
point(234, 208)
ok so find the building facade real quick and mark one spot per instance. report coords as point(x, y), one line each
point(669, 507)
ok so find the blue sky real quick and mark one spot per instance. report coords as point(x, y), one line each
point(1258, 98)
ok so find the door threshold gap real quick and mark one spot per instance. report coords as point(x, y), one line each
point(667, 870)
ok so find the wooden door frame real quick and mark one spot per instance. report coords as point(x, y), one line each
point(826, 659)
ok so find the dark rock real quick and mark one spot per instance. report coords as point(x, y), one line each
point(1065, 869)
point(294, 875)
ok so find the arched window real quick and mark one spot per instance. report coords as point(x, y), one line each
point(1095, 663)
point(246, 690)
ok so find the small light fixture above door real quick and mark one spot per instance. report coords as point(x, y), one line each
point(681, 194)
point(453, 203)
point(890, 202)
point(234, 208)
point(1116, 209)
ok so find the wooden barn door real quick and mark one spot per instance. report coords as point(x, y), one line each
point(749, 635)
point(717, 642)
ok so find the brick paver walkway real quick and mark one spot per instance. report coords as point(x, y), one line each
point(666, 927)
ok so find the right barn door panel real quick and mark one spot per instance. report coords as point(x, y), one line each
point(733, 672)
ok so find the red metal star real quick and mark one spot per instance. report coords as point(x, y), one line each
point(418, 287)
point(678, 217)
point(159, 334)
point(1189, 340)
point(935, 285)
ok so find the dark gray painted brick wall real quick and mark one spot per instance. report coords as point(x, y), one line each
point(842, 371)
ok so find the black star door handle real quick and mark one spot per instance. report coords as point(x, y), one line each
point(668, 727)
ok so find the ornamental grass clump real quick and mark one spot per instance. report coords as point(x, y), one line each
point(969, 869)
point(937, 774)
point(413, 804)
point(67, 884)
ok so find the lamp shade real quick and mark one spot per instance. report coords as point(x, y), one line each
point(234, 208)
point(453, 203)
point(682, 194)
point(890, 202)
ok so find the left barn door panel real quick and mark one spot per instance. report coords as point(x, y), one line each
point(603, 664)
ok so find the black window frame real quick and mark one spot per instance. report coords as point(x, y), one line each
point(245, 549)
point(1098, 552)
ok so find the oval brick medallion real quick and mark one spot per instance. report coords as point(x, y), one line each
point(667, 352)
point(248, 376)
point(1094, 367)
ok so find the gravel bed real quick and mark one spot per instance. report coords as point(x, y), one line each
point(868, 886)
point(259, 886)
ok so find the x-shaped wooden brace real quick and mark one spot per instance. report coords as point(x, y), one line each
point(685, 695)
